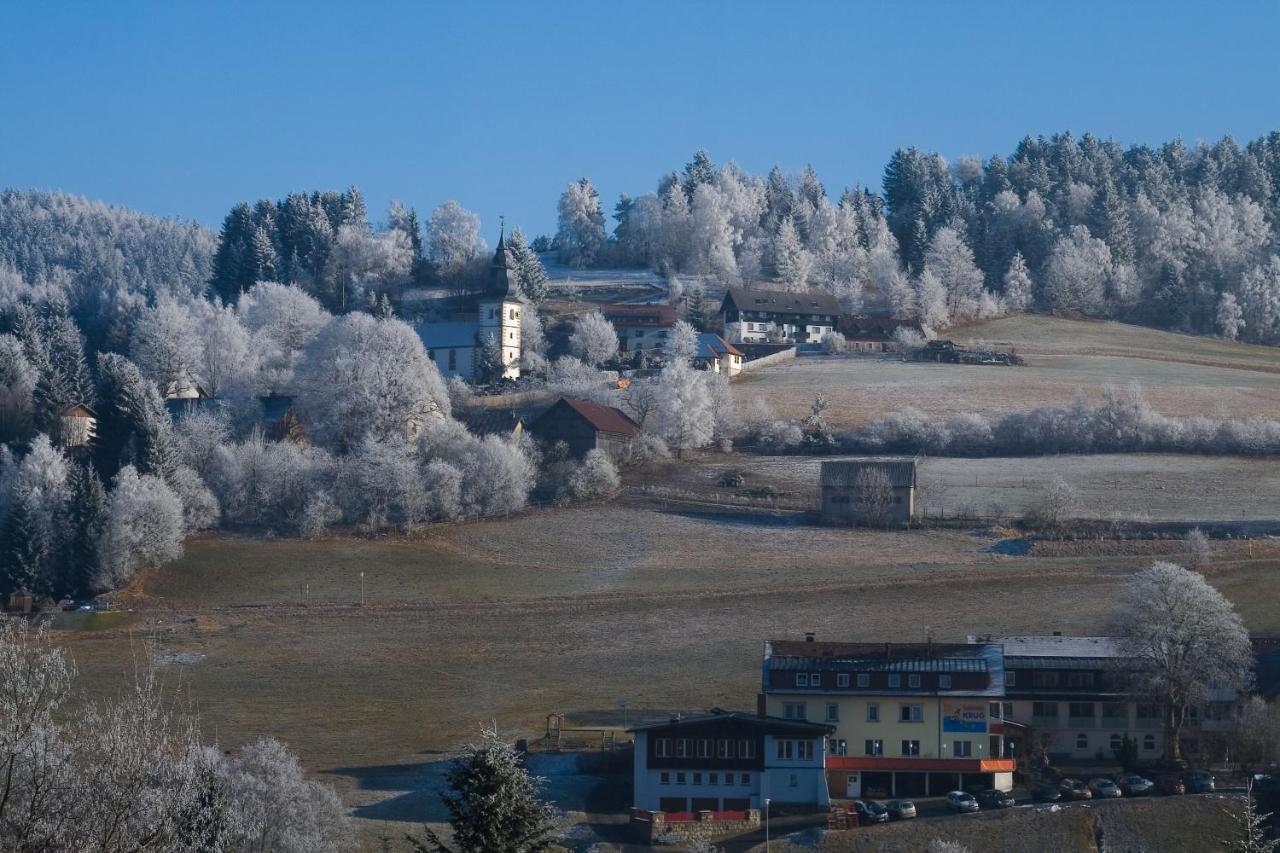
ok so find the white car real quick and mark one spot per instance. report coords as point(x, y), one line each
point(1104, 789)
point(960, 801)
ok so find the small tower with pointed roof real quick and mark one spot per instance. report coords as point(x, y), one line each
point(500, 307)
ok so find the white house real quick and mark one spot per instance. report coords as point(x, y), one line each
point(729, 761)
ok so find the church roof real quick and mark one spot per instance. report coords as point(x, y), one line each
point(451, 335)
point(500, 284)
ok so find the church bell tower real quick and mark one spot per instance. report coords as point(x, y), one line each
point(500, 309)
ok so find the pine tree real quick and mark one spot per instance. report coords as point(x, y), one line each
point(697, 172)
point(695, 305)
point(24, 546)
point(266, 265)
point(133, 426)
point(1017, 284)
point(234, 270)
point(493, 804)
point(85, 523)
point(790, 259)
point(527, 267)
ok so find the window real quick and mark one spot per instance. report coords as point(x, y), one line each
point(873, 712)
point(713, 778)
point(911, 714)
point(1082, 741)
point(913, 681)
point(1044, 679)
point(802, 679)
point(794, 711)
point(1044, 709)
point(786, 750)
point(1011, 678)
point(911, 747)
point(1080, 709)
point(746, 749)
point(944, 682)
point(795, 781)
point(833, 712)
point(664, 779)
point(704, 748)
point(815, 679)
point(680, 778)
point(724, 749)
point(804, 750)
point(744, 778)
point(697, 778)
point(1116, 711)
point(1149, 742)
point(895, 680)
point(875, 747)
point(993, 710)
point(838, 747)
point(662, 747)
point(842, 679)
point(684, 748)
point(1116, 743)
point(1006, 710)
point(962, 749)
point(1080, 679)
point(864, 680)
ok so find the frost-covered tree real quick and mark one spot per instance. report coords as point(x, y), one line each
point(593, 339)
point(86, 518)
point(580, 233)
point(682, 342)
point(282, 320)
point(1018, 288)
point(571, 377)
point(166, 345)
point(1187, 638)
point(1229, 318)
point(595, 477)
point(1076, 274)
point(790, 258)
point(950, 260)
point(873, 496)
point(134, 427)
point(931, 302)
point(526, 268)
point(685, 418)
point(362, 262)
point(361, 377)
point(17, 389)
point(493, 804)
point(226, 352)
point(1259, 299)
point(144, 527)
point(453, 238)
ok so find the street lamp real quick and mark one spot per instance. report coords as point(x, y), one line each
point(766, 824)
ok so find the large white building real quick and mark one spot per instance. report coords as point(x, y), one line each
point(457, 347)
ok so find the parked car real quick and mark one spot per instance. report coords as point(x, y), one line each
point(1134, 785)
point(1046, 794)
point(869, 811)
point(993, 799)
point(66, 604)
point(962, 801)
point(1103, 788)
point(1170, 784)
point(1074, 789)
point(900, 809)
point(1199, 782)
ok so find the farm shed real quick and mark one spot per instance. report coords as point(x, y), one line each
point(846, 498)
point(586, 426)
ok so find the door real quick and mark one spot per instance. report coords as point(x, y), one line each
point(853, 787)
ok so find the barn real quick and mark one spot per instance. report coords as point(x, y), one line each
point(585, 426)
point(879, 492)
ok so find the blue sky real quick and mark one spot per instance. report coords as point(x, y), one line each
point(182, 109)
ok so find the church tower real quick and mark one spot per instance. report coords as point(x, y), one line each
point(500, 307)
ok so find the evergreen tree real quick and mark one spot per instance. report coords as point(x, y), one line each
point(85, 522)
point(66, 355)
point(790, 259)
point(700, 170)
point(266, 266)
point(1018, 288)
point(695, 305)
point(24, 546)
point(134, 427)
point(234, 270)
point(493, 804)
point(779, 201)
point(527, 267)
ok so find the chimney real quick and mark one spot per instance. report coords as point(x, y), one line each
point(809, 636)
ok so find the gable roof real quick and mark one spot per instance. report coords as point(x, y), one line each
point(873, 328)
point(603, 418)
point(711, 345)
point(952, 658)
point(782, 301)
point(657, 316)
point(450, 335)
point(901, 472)
point(766, 724)
point(490, 420)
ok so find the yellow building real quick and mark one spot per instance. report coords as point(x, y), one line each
point(911, 720)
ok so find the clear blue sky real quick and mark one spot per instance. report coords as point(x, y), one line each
point(183, 108)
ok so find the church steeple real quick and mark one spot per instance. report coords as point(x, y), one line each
point(500, 285)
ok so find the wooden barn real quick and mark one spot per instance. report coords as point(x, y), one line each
point(584, 426)
point(849, 496)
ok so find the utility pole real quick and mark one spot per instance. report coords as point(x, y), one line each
point(362, 589)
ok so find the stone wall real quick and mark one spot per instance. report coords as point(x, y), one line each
point(706, 826)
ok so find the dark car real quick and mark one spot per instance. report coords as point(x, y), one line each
point(1046, 794)
point(993, 799)
point(1074, 789)
point(1199, 782)
point(869, 811)
point(1170, 784)
point(900, 809)
point(1134, 785)
point(1104, 789)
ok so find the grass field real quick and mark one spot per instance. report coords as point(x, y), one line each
point(570, 610)
point(1180, 374)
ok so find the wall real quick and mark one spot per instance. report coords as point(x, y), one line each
point(768, 360)
point(654, 827)
point(809, 776)
point(845, 511)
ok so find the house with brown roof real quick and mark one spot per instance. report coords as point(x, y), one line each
point(752, 315)
point(640, 327)
point(585, 426)
point(874, 334)
point(717, 355)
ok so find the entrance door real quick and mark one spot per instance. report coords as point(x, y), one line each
point(853, 787)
